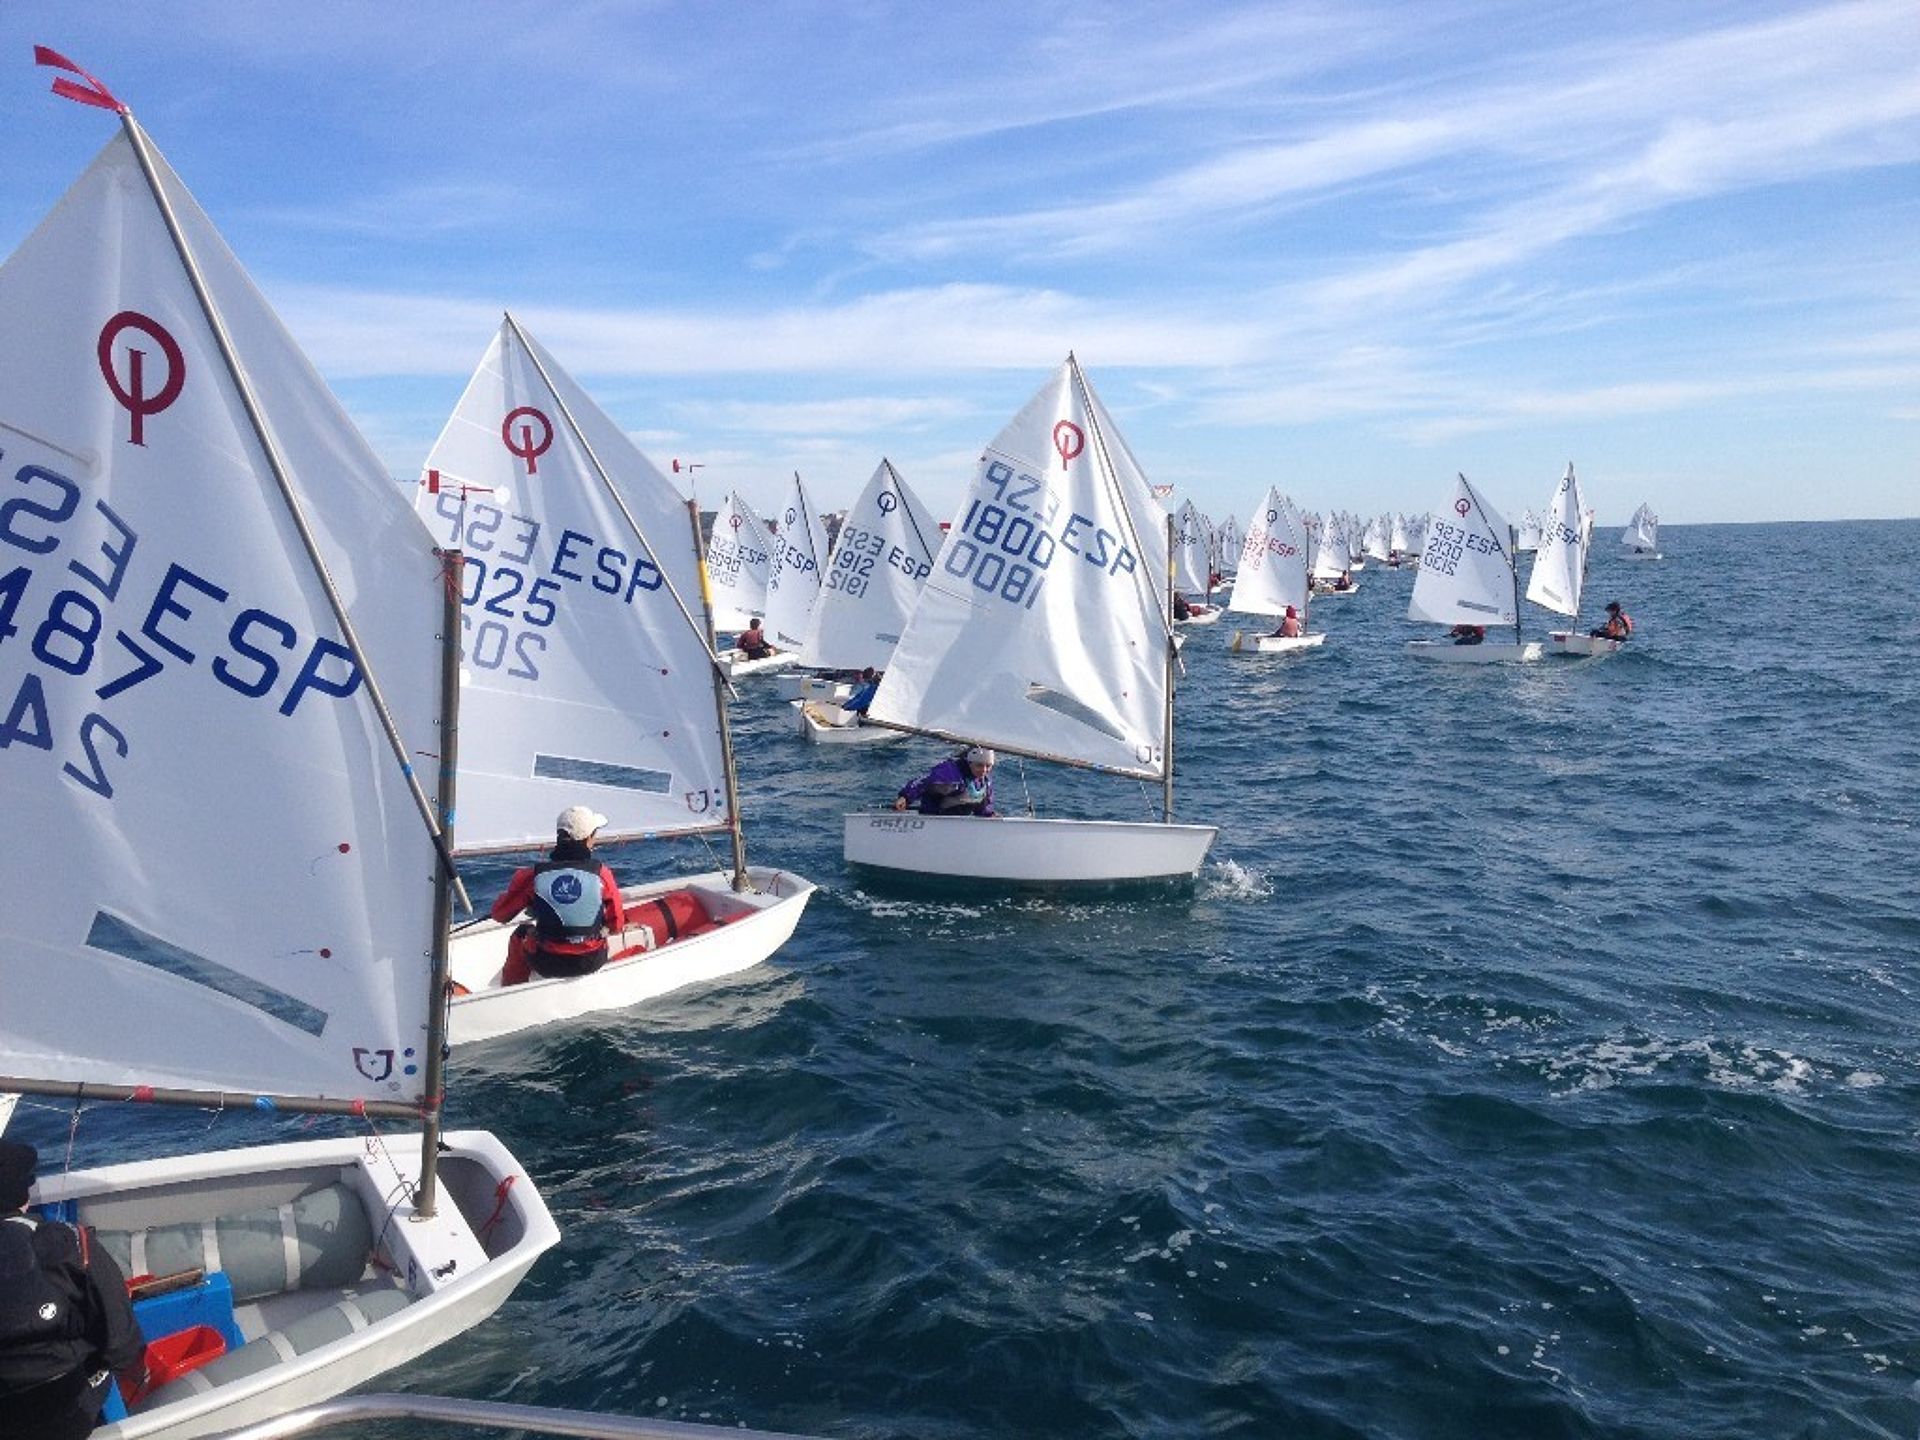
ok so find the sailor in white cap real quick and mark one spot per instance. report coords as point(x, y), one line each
point(571, 900)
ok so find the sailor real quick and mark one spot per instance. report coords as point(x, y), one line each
point(65, 1321)
point(1619, 624)
point(753, 641)
point(1468, 634)
point(858, 702)
point(959, 785)
point(1182, 608)
point(573, 900)
point(1289, 624)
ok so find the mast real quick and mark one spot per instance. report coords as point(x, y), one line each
point(732, 781)
point(439, 990)
point(1513, 569)
point(1166, 734)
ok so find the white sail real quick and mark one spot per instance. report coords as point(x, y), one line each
point(1560, 563)
point(739, 555)
point(584, 680)
point(1193, 551)
point(1227, 550)
point(1044, 628)
point(1331, 558)
point(884, 553)
point(1397, 541)
point(793, 583)
point(1466, 570)
point(1529, 532)
point(1374, 543)
point(1643, 530)
point(217, 876)
point(1273, 561)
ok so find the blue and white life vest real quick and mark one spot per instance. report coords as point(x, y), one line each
point(567, 902)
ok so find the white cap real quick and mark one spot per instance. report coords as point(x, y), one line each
point(578, 822)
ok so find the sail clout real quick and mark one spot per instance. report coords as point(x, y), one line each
point(793, 583)
point(1560, 563)
point(1193, 552)
point(584, 679)
point(738, 555)
point(1044, 627)
point(220, 877)
point(885, 552)
point(1466, 570)
point(1273, 562)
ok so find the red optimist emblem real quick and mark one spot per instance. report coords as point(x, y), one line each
point(528, 448)
point(1069, 439)
point(133, 397)
point(1461, 507)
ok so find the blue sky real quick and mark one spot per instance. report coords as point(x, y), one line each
point(1344, 248)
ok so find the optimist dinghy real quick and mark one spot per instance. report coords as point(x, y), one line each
point(1467, 577)
point(177, 457)
point(1273, 577)
point(825, 723)
point(1560, 569)
point(1641, 539)
point(1045, 631)
point(592, 684)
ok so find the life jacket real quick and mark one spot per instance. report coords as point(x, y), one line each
point(1626, 624)
point(42, 1332)
point(568, 902)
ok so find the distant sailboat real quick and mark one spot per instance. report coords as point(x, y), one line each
point(1641, 539)
point(794, 582)
point(739, 553)
point(1560, 568)
point(1467, 579)
point(1273, 577)
point(1045, 631)
point(1193, 563)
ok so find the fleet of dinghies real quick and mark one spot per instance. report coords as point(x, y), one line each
point(1045, 631)
point(588, 679)
point(175, 457)
point(542, 619)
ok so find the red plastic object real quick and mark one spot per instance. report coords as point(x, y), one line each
point(172, 1356)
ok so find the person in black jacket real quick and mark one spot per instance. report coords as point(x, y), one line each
point(65, 1321)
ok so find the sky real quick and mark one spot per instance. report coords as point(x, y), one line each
point(1345, 248)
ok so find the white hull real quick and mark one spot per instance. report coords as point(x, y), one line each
point(1321, 592)
point(489, 1009)
point(1565, 642)
point(1021, 850)
point(823, 725)
point(1252, 642)
point(456, 1277)
point(811, 687)
point(1203, 617)
point(1490, 652)
point(1640, 555)
point(734, 663)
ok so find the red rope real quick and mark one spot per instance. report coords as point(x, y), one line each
point(499, 1206)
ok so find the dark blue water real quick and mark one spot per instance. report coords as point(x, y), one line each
point(1539, 1055)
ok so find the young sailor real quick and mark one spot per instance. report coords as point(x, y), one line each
point(1289, 624)
point(753, 641)
point(1619, 624)
point(573, 900)
point(959, 785)
point(65, 1321)
point(862, 697)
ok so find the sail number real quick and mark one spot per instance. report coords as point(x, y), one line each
point(63, 599)
point(860, 551)
point(504, 603)
point(1005, 545)
point(1448, 543)
point(727, 558)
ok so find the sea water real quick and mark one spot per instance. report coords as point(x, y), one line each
point(1535, 1056)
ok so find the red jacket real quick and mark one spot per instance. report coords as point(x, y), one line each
point(519, 894)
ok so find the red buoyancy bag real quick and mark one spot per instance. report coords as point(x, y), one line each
point(675, 916)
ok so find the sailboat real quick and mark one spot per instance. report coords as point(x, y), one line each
point(1400, 551)
point(739, 552)
point(793, 583)
point(1332, 560)
point(588, 680)
point(1560, 569)
point(1528, 534)
point(1044, 631)
point(1227, 551)
point(1467, 577)
point(231, 891)
point(1193, 564)
point(1273, 576)
point(885, 551)
point(1641, 539)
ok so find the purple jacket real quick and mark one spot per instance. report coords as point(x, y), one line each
point(950, 789)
